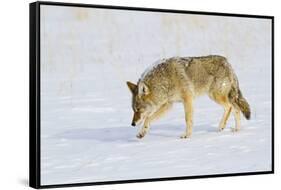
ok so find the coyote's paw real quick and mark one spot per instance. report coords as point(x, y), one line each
point(141, 134)
point(220, 129)
point(185, 136)
point(234, 130)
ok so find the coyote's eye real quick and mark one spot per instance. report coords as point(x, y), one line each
point(141, 110)
point(136, 109)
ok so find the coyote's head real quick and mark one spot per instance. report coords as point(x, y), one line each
point(141, 102)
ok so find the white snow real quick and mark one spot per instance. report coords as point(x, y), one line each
point(87, 55)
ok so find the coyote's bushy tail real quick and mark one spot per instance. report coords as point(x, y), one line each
point(237, 100)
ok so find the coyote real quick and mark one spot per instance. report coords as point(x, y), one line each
point(181, 79)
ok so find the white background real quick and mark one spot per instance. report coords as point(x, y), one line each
point(14, 93)
point(88, 54)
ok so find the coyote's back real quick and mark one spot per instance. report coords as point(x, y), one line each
point(183, 79)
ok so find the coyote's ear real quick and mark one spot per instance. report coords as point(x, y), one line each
point(132, 87)
point(143, 89)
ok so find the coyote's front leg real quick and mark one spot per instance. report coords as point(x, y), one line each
point(144, 129)
point(163, 109)
point(188, 109)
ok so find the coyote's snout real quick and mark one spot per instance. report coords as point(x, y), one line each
point(182, 79)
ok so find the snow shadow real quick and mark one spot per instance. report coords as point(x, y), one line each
point(128, 134)
point(103, 134)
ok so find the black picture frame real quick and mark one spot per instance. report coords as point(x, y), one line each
point(34, 91)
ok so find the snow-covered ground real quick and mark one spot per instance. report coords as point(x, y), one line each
point(87, 55)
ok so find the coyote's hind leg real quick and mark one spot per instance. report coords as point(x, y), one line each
point(227, 111)
point(237, 120)
point(222, 100)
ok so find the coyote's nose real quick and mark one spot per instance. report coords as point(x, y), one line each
point(133, 124)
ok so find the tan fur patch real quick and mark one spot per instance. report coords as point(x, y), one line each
point(183, 79)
